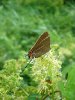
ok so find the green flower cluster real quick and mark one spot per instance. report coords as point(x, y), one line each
point(47, 73)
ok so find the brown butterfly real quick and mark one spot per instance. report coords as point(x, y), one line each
point(41, 46)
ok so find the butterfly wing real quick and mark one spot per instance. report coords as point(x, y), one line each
point(41, 46)
point(41, 38)
point(44, 48)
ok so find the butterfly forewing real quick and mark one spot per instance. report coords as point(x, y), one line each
point(41, 46)
point(42, 51)
point(41, 38)
point(43, 43)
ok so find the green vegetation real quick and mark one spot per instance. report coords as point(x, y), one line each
point(21, 22)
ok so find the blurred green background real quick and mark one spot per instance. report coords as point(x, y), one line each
point(22, 21)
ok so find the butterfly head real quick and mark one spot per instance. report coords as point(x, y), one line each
point(30, 55)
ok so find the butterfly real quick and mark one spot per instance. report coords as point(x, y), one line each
point(41, 46)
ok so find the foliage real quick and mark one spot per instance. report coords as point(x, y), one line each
point(12, 85)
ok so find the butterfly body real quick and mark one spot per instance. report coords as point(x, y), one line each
point(41, 47)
